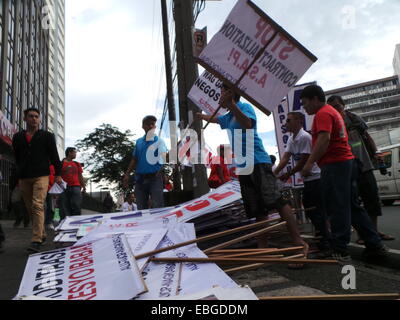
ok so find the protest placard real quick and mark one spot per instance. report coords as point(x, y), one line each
point(252, 52)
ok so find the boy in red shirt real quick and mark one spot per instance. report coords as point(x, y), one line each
point(71, 173)
point(332, 153)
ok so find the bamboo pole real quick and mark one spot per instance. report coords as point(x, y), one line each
point(375, 296)
point(263, 252)
point(245, 237)
point(206, 238)
point(242, 250)
point(242, 260)
point(258, 265)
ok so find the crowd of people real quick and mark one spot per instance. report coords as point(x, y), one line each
point(335, 161)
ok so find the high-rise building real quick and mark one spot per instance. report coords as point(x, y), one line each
point(378, 103)
point(56, 95)
point(396, 60)
point(23, 75)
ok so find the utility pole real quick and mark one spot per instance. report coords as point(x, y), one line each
point(170, 93)
point(193, 178)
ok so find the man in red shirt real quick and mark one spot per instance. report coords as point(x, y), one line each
point(71, 173)
point(332, 153)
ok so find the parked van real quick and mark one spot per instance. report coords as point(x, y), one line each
point(389, 184)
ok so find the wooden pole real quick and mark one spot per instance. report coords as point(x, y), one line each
point(262, 252)
point(257, 265)
point(242, 260)
point(242, 238)
point(206, 238)
point(375, 296)
point(232, 251)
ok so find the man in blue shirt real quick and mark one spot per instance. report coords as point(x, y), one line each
point(258, 184)
point(147, 160)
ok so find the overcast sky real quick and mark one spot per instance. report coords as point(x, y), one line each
point(114, 54)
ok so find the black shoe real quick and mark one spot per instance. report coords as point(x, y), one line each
point(34, 247)
point(375, 253)
point(44, 240)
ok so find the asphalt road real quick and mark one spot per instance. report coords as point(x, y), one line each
point(372, 277)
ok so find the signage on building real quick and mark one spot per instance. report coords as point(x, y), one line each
point(199, 41)
point(7, 130)
point(256, 55)
point(374, 91)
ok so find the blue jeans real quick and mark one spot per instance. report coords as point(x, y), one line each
point(339, 193)
point(149, 187)
point(70, 202)
point(312, 198)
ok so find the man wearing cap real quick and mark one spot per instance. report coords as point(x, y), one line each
point(148, 158)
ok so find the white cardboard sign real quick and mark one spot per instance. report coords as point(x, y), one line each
point(248, 35)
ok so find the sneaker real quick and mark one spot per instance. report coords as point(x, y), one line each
point(341, 255)
point(375, 253)
point(34, 247)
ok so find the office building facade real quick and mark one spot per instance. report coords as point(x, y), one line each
point(378, 103)
point(24, 61)
point(56, 93)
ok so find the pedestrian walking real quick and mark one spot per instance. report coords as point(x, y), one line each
point(71, 173)
point(108, 203)
point(148, 158)
point(35, 150)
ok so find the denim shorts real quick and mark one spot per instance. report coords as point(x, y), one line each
point(260, 191)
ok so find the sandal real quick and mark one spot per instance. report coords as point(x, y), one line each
point(386, 237)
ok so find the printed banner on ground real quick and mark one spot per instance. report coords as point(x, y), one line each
point(210, 202)
point(248, 35)
point(100, 270)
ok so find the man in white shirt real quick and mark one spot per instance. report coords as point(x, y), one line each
point(299, 147)
point(129, 205)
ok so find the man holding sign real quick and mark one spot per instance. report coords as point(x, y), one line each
point(299, 147)
point(258, 184)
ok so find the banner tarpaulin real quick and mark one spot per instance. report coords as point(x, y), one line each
point(100, 270)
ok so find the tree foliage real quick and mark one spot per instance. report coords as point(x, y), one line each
point(106, 153)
